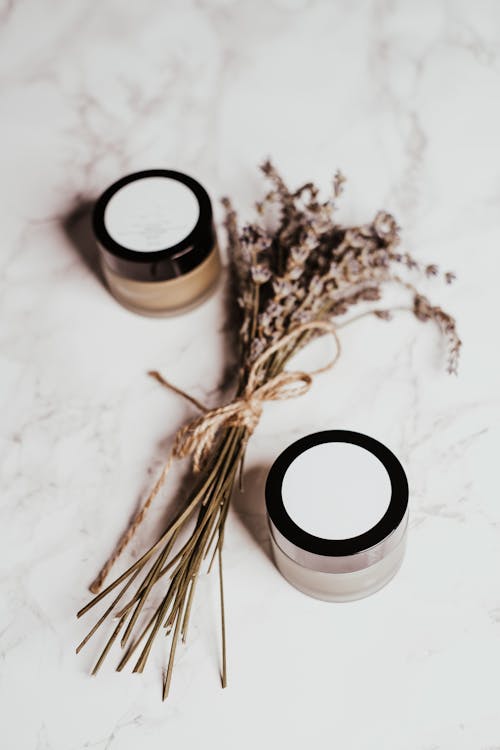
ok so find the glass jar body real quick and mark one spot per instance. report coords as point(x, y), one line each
point(163, 298)
point(340, 587)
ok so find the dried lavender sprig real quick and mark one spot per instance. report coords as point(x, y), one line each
point(334, 261)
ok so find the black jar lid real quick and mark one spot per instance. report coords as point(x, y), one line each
point(136, 260)
point(325, 552)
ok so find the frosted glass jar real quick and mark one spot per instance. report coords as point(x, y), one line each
point(337, 505)
point(157, 242)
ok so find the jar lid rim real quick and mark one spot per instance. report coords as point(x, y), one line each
point(376, 541)
point(204, 219)
point(165, 263)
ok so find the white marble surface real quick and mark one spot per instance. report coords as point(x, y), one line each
point(404, 97)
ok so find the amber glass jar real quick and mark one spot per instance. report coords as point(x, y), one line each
point(157, 242)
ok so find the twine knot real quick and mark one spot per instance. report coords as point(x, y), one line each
point(197, 438)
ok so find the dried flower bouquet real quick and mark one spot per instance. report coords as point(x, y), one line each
point(293, 271)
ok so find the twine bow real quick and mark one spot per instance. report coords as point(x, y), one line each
point(196, 438)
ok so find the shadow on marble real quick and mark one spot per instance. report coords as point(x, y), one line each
point(250, 508)
point(77, 226)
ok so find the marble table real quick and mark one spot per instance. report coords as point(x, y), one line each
point(404, 97)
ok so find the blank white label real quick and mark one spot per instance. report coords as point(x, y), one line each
point(153, 213)
point(336, 490)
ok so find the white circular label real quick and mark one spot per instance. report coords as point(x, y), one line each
point(336, 490)
point(151, 214)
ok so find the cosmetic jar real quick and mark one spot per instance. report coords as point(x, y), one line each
point(337, 506)
point(157, 242)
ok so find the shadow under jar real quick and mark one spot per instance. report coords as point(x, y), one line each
point(337, 506)
point(157, 242)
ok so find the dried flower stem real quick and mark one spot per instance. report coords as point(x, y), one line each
point(222, 615)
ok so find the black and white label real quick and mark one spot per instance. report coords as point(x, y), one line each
point(336, 490)
point(150, 214)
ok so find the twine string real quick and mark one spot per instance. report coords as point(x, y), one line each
point(198, 436)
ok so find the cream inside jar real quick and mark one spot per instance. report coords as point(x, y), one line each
point(157, 241)
point(337, 505)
